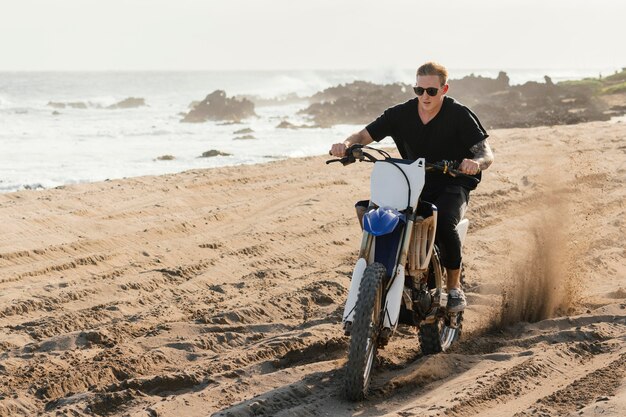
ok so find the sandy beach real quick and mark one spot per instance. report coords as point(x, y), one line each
point(220, 291)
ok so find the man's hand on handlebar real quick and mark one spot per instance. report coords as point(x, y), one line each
point(361, 138)
point(338, 150)
point(451, 168)
point(355, 152)
point(469, 167)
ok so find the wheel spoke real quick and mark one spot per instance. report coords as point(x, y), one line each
point(369, 361)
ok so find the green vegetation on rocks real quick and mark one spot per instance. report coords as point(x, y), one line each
point(612, 84)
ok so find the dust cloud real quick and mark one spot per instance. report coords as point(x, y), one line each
point(543, 281)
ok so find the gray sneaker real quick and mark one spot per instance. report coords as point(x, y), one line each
point(456, 301)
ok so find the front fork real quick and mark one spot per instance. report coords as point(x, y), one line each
point(367, 243)
point(393, 288)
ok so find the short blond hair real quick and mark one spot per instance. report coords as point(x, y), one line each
point(433, 68)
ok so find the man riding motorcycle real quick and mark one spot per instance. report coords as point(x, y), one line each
point(435, 127)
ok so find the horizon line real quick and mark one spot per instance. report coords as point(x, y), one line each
point(317, 69)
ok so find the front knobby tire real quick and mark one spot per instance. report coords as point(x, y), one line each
point(365, 331)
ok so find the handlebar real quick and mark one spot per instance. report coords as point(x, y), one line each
point(356, 153)
point(448, 168)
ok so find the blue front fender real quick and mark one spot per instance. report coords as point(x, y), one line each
point(382, 221)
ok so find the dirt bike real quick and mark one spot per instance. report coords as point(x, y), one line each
point(398, 277)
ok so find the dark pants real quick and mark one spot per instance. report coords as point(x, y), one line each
point(451, 202)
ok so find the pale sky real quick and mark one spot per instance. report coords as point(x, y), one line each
point(315, 34)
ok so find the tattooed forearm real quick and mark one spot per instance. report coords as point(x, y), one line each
point(482, 154)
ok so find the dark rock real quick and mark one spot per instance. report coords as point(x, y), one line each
point(74, 105)
point(77, 105)
point(244, 137)
point(56, 105)
point(355, 103)
point(537, 104)
point(36, 186)
point(213, 152)
point(166, 158)
point(243, 131)
point(287, 125)
point(291, 98)
point(128, 103)
point(470, 88)
point(216, 106)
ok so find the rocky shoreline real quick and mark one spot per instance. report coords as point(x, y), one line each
point(498, 103)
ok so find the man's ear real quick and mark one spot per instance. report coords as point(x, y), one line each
point(445, 88)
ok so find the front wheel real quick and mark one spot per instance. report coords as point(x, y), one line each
point(365, 331)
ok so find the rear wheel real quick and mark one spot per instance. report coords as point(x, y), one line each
point(365, 332)
point(439, 335)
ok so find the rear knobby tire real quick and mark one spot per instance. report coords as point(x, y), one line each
point(364, 333)
point(438, 336)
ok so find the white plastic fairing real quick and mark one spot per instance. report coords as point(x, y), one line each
point(357, 275)
point(389, 187)
point(394, 300)
point(462, 229)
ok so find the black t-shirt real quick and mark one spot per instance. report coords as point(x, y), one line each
point(448, 136)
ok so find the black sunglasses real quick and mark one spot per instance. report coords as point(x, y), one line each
point(432, 91)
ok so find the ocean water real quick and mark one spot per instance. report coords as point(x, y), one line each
point(40, 148)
